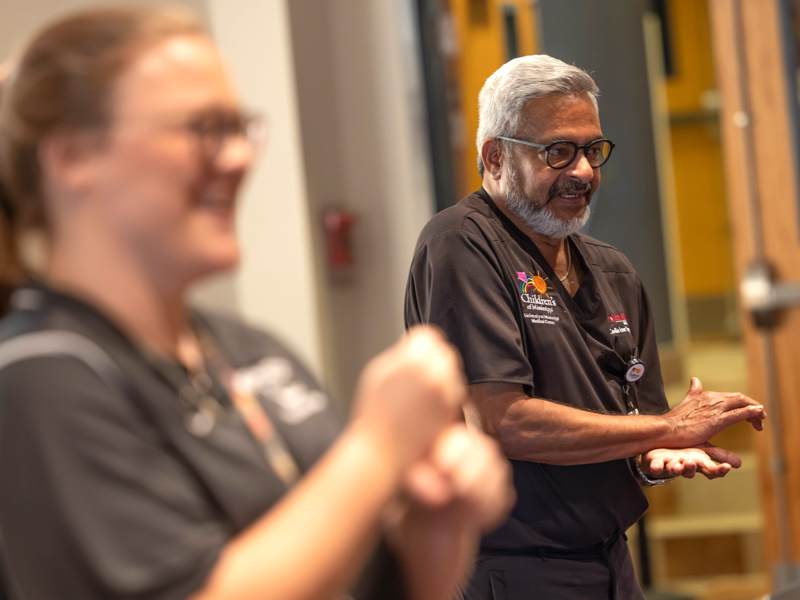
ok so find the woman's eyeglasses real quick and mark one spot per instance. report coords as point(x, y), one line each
point(213, 130)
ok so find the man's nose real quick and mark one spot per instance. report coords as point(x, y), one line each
point(580, 168)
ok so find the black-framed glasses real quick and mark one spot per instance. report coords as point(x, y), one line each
point(214, 129)
point(562, 153)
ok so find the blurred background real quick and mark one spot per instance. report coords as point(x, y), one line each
point(372, 111)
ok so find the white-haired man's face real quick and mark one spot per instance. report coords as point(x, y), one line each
point(552, 202)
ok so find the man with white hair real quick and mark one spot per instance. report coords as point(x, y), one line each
point(559, 346)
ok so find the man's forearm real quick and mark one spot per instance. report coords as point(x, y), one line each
point(542, 431)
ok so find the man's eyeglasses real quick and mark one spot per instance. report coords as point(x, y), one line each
point(561, 154)
point(214, 130)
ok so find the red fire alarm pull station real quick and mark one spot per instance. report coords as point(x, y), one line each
point(337, 224)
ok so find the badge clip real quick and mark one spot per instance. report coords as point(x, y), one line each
point(634, 370)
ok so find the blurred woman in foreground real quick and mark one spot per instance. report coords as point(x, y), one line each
point(151, 451)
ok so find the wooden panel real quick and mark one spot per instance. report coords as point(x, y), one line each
point(704, 556)
point(705, 237)
point(482, 50)
point(777, 192)
point(703, 228)
point(692, 57)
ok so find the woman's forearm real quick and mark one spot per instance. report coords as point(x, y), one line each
point(437, 552)
point(313, 544)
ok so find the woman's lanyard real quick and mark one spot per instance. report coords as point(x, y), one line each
point(205, 409)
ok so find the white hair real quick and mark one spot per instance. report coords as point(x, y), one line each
point(509, 88)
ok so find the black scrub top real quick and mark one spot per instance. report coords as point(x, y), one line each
point(106, 493)
point(485, 283)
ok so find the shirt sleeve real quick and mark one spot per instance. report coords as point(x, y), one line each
point(457, 284)
point(92, 495)
point(652, 398)
point(382, 578)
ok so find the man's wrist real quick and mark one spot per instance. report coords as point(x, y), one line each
point(648, 479)
point(666, 428)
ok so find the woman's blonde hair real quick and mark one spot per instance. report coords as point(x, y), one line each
point(64, 78)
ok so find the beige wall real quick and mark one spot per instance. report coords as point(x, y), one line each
point(365, 149)
point(276, 285)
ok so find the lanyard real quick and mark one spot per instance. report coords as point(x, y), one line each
point(626, 394)
point(634, 371)
point(275, 449)
point(272, 443)
point(199, 393)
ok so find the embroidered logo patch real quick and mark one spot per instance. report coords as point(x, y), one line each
point(533, 291)
point(618, 324)
point(274, 378)
point(529, 281)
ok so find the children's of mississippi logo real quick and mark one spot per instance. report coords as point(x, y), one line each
point(533, 293)
point(529, 281)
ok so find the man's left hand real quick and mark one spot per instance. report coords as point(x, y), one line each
point(705, 459)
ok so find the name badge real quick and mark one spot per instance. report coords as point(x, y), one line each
point(634, 370)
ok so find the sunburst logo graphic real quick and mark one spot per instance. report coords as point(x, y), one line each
point(537, 282)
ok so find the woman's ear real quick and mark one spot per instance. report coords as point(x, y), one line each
point(69, 159)
point(492, 158)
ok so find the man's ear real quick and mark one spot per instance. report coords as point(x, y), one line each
point(492, 157)
point(68, 159)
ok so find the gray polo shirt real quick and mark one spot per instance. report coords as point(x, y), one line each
point(107, 489)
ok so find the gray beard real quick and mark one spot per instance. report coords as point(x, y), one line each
point(539, 218)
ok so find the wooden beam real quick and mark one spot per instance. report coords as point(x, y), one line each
point(760, 166)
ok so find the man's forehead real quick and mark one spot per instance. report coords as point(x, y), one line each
point(561, 116)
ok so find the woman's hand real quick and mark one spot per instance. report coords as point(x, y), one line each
point(459, 490)
point(465, 473)
point(409, 393)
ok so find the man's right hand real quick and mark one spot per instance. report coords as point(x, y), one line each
point(706, 459)
point(702, 415)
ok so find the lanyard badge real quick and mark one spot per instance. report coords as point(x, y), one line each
point(634, 370)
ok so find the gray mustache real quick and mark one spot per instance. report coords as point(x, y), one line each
point(569, 186)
